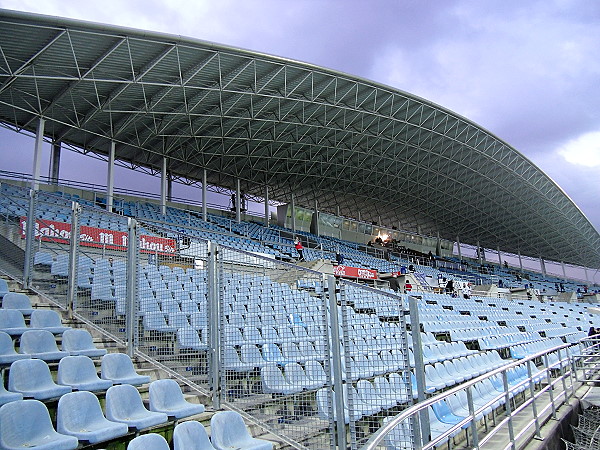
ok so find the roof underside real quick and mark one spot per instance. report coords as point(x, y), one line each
point(293, 127)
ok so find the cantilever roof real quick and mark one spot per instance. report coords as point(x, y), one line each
point(295, 127)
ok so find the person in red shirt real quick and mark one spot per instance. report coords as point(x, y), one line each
point(299, 248)
point(407, 287)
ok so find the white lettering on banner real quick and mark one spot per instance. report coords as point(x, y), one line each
point(106, 238)
point(365, 273)
point(355, 272)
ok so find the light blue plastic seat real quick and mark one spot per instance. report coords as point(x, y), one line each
point(12, 322)
point(78, 341)
point(228, 431)
point(166, 397)
point(3, 288)
point(124, 405)
point(118, 368)
point(191, 435)
point(47, 319)
point(27, 424)
point(445, 414)
point(32, 378)
point(7, 397)
point(150, 441)
point(79, 414)
point(188, 337)
point(79, 372)
point(8, 355)
point(273, 381)
point(40, 344)
point(401, 436)
point(17, 300)
point(296, 376)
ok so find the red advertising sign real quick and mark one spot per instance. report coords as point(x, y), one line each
point(354, 272)
point(60, 232)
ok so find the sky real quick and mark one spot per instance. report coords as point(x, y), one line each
point(527, 71)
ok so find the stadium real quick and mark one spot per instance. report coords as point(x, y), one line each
point(406, 286)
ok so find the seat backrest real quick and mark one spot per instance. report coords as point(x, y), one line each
point(76, 369)
point(16, 300)
point(116, 365)
point(3, 287)
point(227, 428)
point(7, 347)
point(164, 393)
point(150, 441)
point(122, 401)
point(41, 318)
point(76, 410)
point(11, 318)
point(22, 420)
point(191, 435)
point(38, 341)
point(74, 339)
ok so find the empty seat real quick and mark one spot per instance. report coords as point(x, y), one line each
point(48, 320)
point(7, 397)
point(17, 300)
point(78, 341)
point(40, 344)
point(191, 435)
point(228, 430)
point(150, 441)
point(79, 414)
point(3, 288)
point(27, 424)
point(118, 368)
point(79, 372)
point(188, 337)
point(273, 381)
point(124, 405)
point(32, 378)
point(166, 397)
point(8, 355)
point(12, 322)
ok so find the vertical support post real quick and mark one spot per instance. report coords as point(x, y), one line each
point(338, 211)
point(169, 186)
point(499, 256)
point(37, 154)
point(542, 266)
point(415, 328)
point(317, 231)
point(54, 170)
point(73, 258)
point(214, 317)
point(562, 263)
point(293, 213)
point(475, 435)
point(238, 201)
point(132, 265)
point(110, 177)
point(533, 404)
point(551, 390)
point(267, 212)
point(507, 405)
point(458, 247)
point(520, 262)
point(336, 361)
point(29, 239)
point(163, 187)
point(204, 206)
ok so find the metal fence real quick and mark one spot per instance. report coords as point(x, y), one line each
point(297, 352)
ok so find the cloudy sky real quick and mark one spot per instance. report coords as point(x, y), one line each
point(528, 71)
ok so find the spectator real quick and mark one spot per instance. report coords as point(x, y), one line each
point(407, 287)
point(339, 258)
point(592, 332)
point(299, 248)
point(394, 284)
point(411, 268)
point(450, 287)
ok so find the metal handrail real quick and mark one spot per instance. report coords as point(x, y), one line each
point(378, 436)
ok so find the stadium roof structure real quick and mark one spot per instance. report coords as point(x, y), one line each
point(297, 128)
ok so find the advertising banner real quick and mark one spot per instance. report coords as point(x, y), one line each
point(354, 272)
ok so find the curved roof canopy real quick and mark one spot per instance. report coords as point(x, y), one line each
point(292, 126)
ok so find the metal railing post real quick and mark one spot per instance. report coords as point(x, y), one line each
point(511, 430)
point(29, 239)
point(533, 405)
point(336, 357)
point(73, 258)
point(415, 327)
point(214, 328)
point(551, 390)
point(474, 433)
point(133, 261)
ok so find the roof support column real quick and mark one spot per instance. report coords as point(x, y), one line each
point(586, 274)
point(163, 187)
point(562, 263)
point(317, 218)
point(293, 213)
point(479, 255)
point(458, 247)
point(204, 207)
point(520, 262)
point(110, 177)
point(267, 212)
point(238, 202)
point(169, 187)
point(37, 155)
point(54, 170)
point(499, 257)
point(543, 266)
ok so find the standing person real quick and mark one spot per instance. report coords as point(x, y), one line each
point(394, 283)
point(592, 332)
point(299, 248)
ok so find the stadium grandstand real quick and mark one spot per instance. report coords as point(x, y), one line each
point(414, 282)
